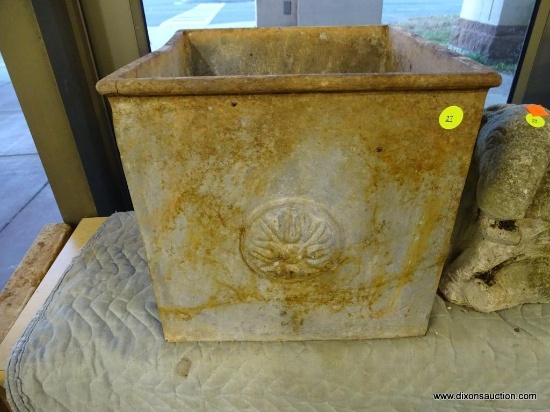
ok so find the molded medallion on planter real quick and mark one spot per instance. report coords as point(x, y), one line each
point(292, 239)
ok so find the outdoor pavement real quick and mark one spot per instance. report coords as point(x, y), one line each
point(398, 10)
point(26, 199)
point(165, 17)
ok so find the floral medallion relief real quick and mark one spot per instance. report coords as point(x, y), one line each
point(291, 239)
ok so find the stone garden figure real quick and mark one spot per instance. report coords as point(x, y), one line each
point(501, 240)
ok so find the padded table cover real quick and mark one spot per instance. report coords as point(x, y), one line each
point(97, 345)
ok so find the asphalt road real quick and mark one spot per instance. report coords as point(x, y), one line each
point(397, 10)
point(245, 11)
point(157, 11)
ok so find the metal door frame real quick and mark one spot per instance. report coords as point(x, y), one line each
point(55, 52)
point(531, 80)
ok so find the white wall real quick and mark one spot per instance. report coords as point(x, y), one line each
point(319, 13)
point(498, 12)
point(339, 12)
point(269, 13)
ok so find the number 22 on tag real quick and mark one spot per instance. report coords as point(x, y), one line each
point(451, 117)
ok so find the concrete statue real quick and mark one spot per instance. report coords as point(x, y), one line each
point(501, 239)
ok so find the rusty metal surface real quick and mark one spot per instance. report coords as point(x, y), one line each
point(283, 216)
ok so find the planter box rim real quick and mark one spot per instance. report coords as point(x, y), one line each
point(125, 82)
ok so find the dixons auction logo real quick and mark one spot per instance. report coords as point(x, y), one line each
point(504, 396)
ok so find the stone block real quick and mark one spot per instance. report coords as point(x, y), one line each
point(30, 272)
point(492, 43)
point(502, 235)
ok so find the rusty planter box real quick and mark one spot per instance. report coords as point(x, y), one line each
point(296, 183)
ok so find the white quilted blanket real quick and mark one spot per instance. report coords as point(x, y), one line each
point(97, 345)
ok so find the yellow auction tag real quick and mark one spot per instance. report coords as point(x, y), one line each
point(451, 117)
point(535, 121)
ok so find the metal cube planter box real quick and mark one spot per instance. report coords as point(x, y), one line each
point(296, 183)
